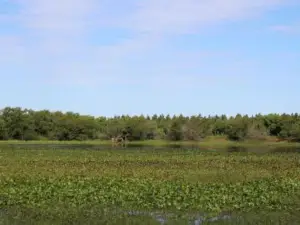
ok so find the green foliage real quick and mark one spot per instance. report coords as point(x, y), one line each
point(237, 129)
point(3, 130)
point(208, 182)
point(76, 185)
point(23, 124)
point(148, 194)
point(257, 131)
point(175, 131)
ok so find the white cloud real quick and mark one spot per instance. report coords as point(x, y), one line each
point(181, 16)
point(67, 16)
point(289, 29)
point(56, 32)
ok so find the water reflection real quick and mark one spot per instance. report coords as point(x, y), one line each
point(164, 218)
point(237, 149)
point(168, 147)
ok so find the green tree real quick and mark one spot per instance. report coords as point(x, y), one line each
point(175, 131)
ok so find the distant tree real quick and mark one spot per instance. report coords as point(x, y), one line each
point(175, 131)
point(237, 129)
point(25, 124)
point(3, 130)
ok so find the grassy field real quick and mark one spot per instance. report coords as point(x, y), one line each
point(102, 187)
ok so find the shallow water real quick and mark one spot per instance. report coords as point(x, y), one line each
point(170, 147)
point(164, 218)
point(36, 217)
point(160, 218)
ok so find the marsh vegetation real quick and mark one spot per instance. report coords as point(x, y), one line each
point(148, 186)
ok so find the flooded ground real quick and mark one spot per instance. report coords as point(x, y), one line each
point(165, 218)
point(26, 217)
point(170, 147)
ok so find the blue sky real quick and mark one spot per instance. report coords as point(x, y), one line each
point(112, 57)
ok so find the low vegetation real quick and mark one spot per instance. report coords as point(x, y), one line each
point(69, 186)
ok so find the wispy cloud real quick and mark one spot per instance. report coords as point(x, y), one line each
point(11, 48)
point(289, 29)
point(178, 16)
point(55, 34)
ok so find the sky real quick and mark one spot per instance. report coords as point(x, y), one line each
point(115, 57)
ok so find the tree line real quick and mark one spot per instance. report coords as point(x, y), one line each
point(26, 124)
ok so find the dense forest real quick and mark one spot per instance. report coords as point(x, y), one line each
point(25, 124)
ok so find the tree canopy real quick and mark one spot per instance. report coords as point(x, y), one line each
point(26, 124)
